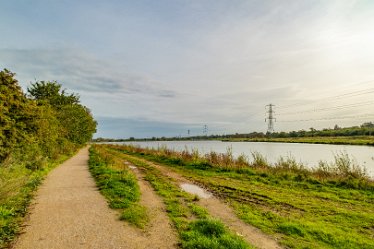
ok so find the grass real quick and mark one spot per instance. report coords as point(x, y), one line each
point(209, 234)
point(17, 187)
point(119, 185)
point(136, 214)
point(304, 209)
point(343, 172)
point(192, 222)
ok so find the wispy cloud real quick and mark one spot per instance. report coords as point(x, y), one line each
point(79, 71)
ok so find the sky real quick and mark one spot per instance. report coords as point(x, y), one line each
point(161, 68)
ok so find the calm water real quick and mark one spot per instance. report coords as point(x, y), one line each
point(308, 154)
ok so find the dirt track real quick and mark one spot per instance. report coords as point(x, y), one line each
point(69, 212)
point(219, 209)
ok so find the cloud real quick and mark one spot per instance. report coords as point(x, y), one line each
point(80, 71)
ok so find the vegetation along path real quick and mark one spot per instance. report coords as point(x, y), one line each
point(69, 212)
point(328, 208)
point(219, 209)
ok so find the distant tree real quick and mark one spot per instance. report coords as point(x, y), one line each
point(367, 125)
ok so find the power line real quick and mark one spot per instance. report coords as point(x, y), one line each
point(340, 107)
point(346, 95)
point(333, 118)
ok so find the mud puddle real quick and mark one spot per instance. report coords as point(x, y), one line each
point(195, 190)
point(130, 165)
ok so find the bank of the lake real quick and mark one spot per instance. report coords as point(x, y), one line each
point(350, 140)
point(310, 155)
point(301, 209)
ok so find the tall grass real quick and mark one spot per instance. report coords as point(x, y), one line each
point(343, 168)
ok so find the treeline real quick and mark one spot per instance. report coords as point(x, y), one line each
point(42, 123)
point(366, 129)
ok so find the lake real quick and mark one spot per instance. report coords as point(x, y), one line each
point(307, 154)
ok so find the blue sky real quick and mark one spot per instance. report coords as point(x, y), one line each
point(159, 68)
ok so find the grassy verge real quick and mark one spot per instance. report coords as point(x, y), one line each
point(304, 211)
point(343, 172)
point(17, 187)
point(194, 225)
point(350, 140)
point(119, 185)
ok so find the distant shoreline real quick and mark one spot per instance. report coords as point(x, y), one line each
point(352, 140)
point(355, 140)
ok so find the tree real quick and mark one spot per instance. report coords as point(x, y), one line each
point(75, 119)
point(367, 125)
point(43, 124)
point(15, 114)
point(78, 123)
point(51, 92)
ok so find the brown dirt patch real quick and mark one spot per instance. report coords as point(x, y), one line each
point(159, 230)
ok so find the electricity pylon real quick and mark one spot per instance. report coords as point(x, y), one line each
point(270, 117)
point(205, 130)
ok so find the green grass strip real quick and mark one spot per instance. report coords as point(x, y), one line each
point(120, 187)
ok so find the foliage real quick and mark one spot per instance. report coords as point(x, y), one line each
point(14, 114)
point(51, 92)
point(45, 123)
point(75, 119)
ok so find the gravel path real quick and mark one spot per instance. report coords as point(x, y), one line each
point(69, 212)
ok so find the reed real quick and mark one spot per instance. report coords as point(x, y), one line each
point(344, 170)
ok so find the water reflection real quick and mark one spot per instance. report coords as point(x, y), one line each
point(195, 190)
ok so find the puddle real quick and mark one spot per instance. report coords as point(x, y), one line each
point(195, 190)
point(130, 165)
